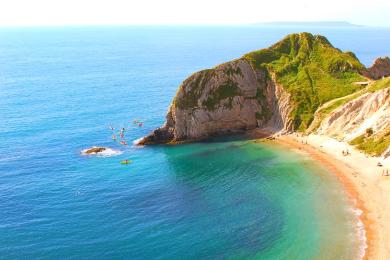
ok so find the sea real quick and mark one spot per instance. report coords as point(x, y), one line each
point(63, 88)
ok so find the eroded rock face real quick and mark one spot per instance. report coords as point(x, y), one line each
point(380, 68)
point(371, 110)
point(229, 98)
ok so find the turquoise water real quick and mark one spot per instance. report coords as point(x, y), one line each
point(60, 89)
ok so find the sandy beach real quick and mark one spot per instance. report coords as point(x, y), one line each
point(363, 181)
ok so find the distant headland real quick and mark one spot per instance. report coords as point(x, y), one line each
point(310, 24)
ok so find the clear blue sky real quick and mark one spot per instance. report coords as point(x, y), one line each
point(86, 12)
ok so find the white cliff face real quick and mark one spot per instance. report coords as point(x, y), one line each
point(371, 110)
point(280, 108)
point(257, 102)
point(233, 112)
point(231, 97)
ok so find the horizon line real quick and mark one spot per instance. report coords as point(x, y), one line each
point(266, 24)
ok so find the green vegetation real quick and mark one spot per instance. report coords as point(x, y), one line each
point(230, 71)
point(312, 70)
point(264, 114)
point(306, 65)
point(369, 131)
point(379, 84)
point(227, 90)
point(372, 145)
point(192, 92)
point(260, 96)
point(193, 88)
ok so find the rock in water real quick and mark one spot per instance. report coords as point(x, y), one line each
point(101, 151)
point(93, 150)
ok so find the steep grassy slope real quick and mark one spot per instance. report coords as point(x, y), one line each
point(331, 106)
point(311, 70)
point(374, 86)
point(374, 145)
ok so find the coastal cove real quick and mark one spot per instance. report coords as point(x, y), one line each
point(363, 180)
point(61, 90)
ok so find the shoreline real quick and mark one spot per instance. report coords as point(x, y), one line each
point(361, 179)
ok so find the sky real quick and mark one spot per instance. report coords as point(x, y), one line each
point(97, 12)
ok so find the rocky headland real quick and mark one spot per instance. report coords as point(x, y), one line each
point(301, 83)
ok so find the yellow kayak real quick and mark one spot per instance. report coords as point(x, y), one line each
point(126, 162)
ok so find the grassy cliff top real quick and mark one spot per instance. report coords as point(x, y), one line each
point(311, 70)
point(305, 65)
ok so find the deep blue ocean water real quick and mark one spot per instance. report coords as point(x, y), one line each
point(60, 89)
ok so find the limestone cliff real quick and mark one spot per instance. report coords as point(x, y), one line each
point(370, 110)
point(278, 89)
point(232, 97)
point(363, 121)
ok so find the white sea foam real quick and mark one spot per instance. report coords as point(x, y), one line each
point(136, 143)
point(109, 153)
point(361, 233)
